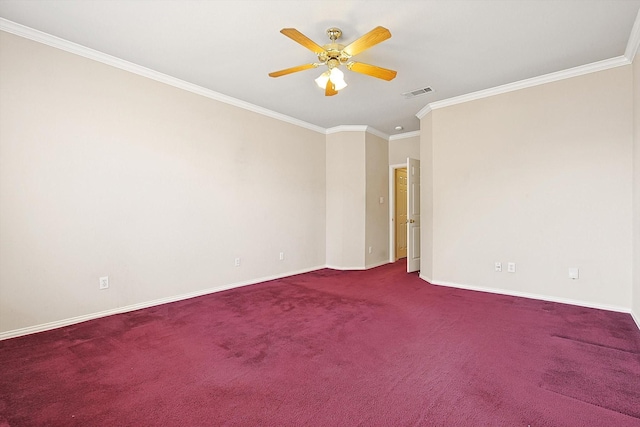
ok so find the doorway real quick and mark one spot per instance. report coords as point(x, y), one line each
point(393, 220)
point(400, 213)
point(404, 213)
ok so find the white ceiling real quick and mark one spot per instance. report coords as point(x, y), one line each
point(456, 47)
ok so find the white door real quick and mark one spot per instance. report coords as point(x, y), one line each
point(401, 213)
point(413, 215)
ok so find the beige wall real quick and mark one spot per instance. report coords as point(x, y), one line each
point(103, 172)
point(401, 148)
point(377, 214)
point(636, 189)
point(357, 176)
point(541, 177)
point(346, 199)
point(426, 197)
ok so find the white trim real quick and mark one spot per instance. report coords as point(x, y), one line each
point(549, 298)
point(346, 128)
point(357, 128)
point(423, 111)
point(56, 42)
point(523, 84)
point(404, 135)
point(78, 319)
point(376, 264)
point(343, 268)
point(634, 40)
point(536, 297)
point(376, 132)
point(635, 319)
point(425, 278)
point(59, 43)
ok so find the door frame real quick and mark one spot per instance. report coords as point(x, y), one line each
point(414, 214)
point(392, 209)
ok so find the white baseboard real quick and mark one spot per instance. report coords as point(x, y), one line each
point(425, 278)
point(541, 297)
point(342, 268)
point(635, 319)
point(358, 268)
point(78, 319)
point(377, 264)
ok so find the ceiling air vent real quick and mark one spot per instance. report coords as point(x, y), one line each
point(417, 92)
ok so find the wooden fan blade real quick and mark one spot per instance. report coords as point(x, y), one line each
point(292, 70)
point(330, 90)
point(305, 41)
point(372, 38)
point(372, 70)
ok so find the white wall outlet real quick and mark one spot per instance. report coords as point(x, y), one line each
point(381, 200)
point(370, 249)
point(104, 282)
point(281, 256)
point(574, 273)
point(511, 267)
point(498, 266)
point(237, 262)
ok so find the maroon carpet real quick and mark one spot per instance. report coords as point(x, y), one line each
point(371, 348)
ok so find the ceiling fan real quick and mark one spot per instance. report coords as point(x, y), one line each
point(334, 54)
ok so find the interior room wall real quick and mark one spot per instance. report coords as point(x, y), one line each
point(107, 173)
point(402, 147)
point(377, 203)
point(541, 177)
point(636, 190)
point(426, 197)
point(346, 189)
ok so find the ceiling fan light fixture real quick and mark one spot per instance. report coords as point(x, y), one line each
point(337, 78)
point(323, 79)
point(335, 75)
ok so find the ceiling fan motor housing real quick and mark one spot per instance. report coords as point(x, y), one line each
point(333, 51)
point(333, 54)
point(334, 33)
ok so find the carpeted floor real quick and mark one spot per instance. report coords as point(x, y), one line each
point(363, 348)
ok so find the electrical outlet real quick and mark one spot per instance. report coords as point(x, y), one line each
point(498, 266)
point(281, 256)
point(574, 273)
point(104, 282)
point(511, 267)
point(237, 262)
point(370, 249)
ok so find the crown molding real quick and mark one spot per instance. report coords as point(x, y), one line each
point(634, 40)
point(523, 84)
point(404, 135)
point(59, 43)
point(357, 128)
point(633, 44)
point(376, 132)
point(346, 128)
point(423, 111)
point(56, 42)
